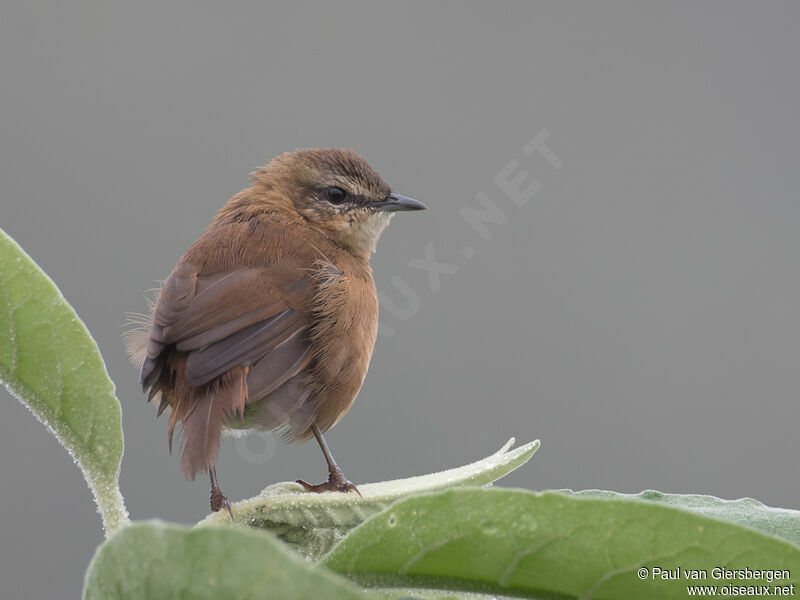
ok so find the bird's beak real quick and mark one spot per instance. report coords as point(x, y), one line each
point(396, 202)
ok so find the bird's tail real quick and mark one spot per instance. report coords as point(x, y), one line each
point(203, 417)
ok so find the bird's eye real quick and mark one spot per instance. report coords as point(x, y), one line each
point(334, 195)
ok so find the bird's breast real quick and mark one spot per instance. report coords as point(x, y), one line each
point(345, 309)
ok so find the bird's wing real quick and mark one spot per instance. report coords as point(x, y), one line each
point(235, 309)
point(233, 314)
point(224, 320)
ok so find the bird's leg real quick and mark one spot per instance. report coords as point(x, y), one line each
point(218, 500)
point(336, 479)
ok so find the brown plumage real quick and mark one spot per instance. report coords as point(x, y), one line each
point(270, 318)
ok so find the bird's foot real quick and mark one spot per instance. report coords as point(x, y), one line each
point(218, 501)
point(336, 483)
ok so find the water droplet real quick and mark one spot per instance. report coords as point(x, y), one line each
point(488, 527)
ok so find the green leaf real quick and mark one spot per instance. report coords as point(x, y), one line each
point(314, 523)
point(155, 560)
point(780, 522)
point(50, 362)
point(549, 545)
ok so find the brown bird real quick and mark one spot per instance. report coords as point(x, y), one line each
point(270, 318)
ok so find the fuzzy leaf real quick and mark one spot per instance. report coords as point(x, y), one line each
point(780, 522)
point(314, 523)
point(50, 362)
point(513, 542)
point(155, 560)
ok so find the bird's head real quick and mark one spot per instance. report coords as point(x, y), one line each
point(337, 192)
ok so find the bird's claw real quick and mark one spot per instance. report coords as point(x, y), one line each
point(334, 484)
point(219, 501)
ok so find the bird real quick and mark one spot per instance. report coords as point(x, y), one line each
point(269, 320)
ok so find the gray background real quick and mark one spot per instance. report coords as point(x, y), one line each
point(639, 314)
